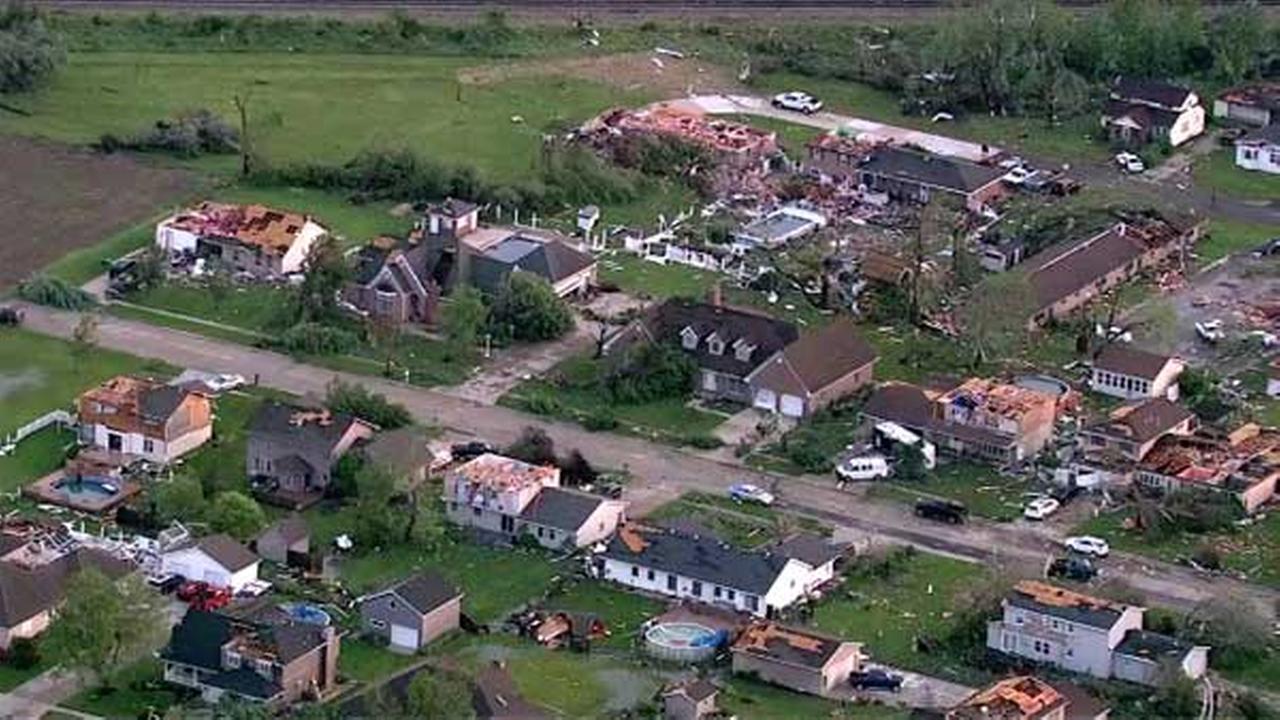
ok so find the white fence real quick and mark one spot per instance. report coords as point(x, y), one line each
point(55, 417)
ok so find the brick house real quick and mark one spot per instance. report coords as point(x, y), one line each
point(292, 451)
point(1017, 698)
point(252, 238)
point(144, 418)
point(412, 613)
point(815, 371)
point(1132, 374)
point(796, 659)
point(270, 660)
point(1143, 111)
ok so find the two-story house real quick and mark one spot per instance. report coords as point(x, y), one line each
point(1132, 374)
point(503, 498)
point(1129, 432)
point(253, 239)
point(703, 569)
point(292, 451)
point(1143, 111)
point(1084, 634)
point(143, 418)
point(275, 661)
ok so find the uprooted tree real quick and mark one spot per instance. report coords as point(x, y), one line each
point(994, 318)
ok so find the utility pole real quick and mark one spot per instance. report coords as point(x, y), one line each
point(242, 105)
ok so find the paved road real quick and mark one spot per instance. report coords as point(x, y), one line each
point(40, 695)
point(662, 471)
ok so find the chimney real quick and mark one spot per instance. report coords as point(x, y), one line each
point(715, 296)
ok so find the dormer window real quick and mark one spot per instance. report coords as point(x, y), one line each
point(715, 344)
point(689, 338)
point(742, 350)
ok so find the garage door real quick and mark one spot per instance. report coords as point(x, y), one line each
point(766, 400)
point(403, 636)
point(792, 406)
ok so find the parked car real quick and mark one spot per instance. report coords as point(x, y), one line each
point(203, 596)
point(470, 450)
point(876, 679)
point(862, 467)
point(1040, 508)
point(948, 511)
point(1087, 545)
point(10, 316)
point(1077, 568)
point(1210, 331)
point(746, 492)
point(1018, 175)
point(797, 102)
point(1130, 163)
point(166, 584)
point(1229, 136)
point(1267, 249)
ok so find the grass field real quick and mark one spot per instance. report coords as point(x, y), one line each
point(984, 491)
point(1218, 172)
point(622, 612)
point(1227, 237)
point(362, 660)
point(219, 463)
point(80, 266)
point(37, 456)
point(253, 307)
point(353, 225)
point(40, 373)
point(319, 108)
point(135, 689)
point(642, 278)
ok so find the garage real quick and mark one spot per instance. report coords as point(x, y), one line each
point(766, 400)
point(404, 636)
point(792, 406)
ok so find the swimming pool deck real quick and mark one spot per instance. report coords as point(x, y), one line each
point(46, 490)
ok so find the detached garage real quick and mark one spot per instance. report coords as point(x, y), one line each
point(816, 370)
point(413, 612)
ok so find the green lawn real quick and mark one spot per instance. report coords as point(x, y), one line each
point(11, 677)
point(1227, 237)
point(823, 437)
point(1254, 550)
point(753, 700)
point(318, 107)
point(134, 689)
point(254, 307)
point(37, 456)
point(1218, 172)
point(569, 391)
point(39, 373)
point(219, 463)
point(622, 612)
point(365, 661)
point(353, 224)
point(917, 599)
point(153, 317)
point(983, 490)
point(649, 279)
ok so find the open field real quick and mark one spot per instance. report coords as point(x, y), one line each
point(1218, 172)
point(55, 199)
point(982, 489)
point(1227, 237)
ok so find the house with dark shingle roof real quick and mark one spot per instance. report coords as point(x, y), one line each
point(689, 700)
point(145, 418)
point(1132, 374)
point(749, 357)
point(1084, 634)
point(219, 560)
point(916, 176)
point(412, 613)
point(1260, 150)
point(292, 451)
point(1140, 111)
point(818, 553)
point(288, 535)
point(703, 569)
point(32, 588)
point(1131, 431)
point(274, 661)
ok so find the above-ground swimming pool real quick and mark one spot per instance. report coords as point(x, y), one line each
point(685, 642)
point(306, 613)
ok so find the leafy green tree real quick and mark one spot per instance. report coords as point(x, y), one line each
point(995, 317)
point(1238, 41)
point(104, 623)
point(29, 52)
point(360, 401)
point(316, 299)
point(911, 465)
point(528, 309)
point(377, 522)
point(463, 318)
point(236, 514)
point(182, 499)
point(533, 446)
point(437, 694)
point(653, 371)
point(384, 333)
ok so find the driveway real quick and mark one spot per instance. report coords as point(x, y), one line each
point(1023, 550)
point(917, 691)
point(510, 366)
point(40, 695)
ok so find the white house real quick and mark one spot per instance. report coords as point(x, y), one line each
point(144, 418)
point(216, 559)
point(1143, 111)
point(1088, 635)
point(704, 569)
point(816, 553)
point(1132, 374)
point(1260, 150)
point(250, 238)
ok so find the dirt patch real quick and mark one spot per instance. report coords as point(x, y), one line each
point(55, 198)
point(660, 75)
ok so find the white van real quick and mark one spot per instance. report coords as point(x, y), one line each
point(862, 467)
point(890, 433)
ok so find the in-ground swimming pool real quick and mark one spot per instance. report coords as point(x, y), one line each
point(683, 641)
point(87, 486)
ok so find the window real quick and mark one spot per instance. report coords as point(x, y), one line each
point(753, 603)
point(671, 582)
point(715, 345)
point(148, 445)
point(379, 624)
point(715, 591)
point(635, 571)
point(649, 575)
point(689, 339)
point(696, 589)
point(475, 511)
point(540, 532)
point(730, 594)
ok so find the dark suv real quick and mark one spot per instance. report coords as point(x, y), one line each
point(876, 679)
point(1072, 568)
point(948, 511)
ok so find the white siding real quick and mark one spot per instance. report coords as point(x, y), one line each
point(194, 564)
point(788, 587)
point(1262, 158)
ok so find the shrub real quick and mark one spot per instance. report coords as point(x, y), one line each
point(540, 404)
point(23, 654)
point(533, 446)
point(702, 441)
point(527, 309)
point(807, 457)
point(188, 135)
point(316, 339)
point(650, 372)
point(600, 420)
point(54, 292)
point(358, 400)
point(29, 52)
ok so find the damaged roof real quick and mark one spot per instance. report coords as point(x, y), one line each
point(928, 169)
point(1147, 90)
point(1144, 421)
point(790, 645)
point(1065, 604)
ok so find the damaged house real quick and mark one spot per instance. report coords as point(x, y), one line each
point(1129, 432)
point(796, 658)
point(402, 281)
point(1145, 111)
point(1244, 463)
point(251, 239)
point(143, 418)
point(1256, 104)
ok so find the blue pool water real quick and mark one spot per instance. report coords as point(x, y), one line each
point(87, 486)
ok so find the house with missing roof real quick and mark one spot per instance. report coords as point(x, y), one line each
point(751, 358)
point(412, 613)
point(1256, 104)
point(143, 418)
point(265, 658)
point(978, 418)
point(1259, 150)
point(33, 583)
point(777, 228)
point(1142, 111)
point(1084, 634)
point(1068, 276)
point(219, 560)
point(795, 658)
point(1243, 463)
point(292, 451)
point(1132, 374)
point(1130, 432)
point(1026, 697)
point(704, 569)
point(244, 238)
point(504, 499)
point(402, 281)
